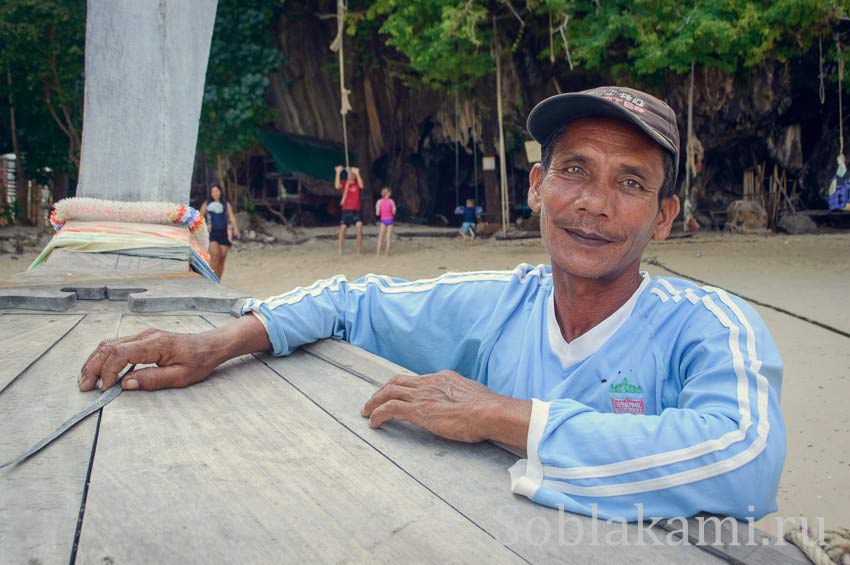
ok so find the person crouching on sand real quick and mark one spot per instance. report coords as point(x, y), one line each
point(385, 210)
point(470, 214)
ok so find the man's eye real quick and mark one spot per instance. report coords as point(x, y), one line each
point(574, 169)
point(632, 183)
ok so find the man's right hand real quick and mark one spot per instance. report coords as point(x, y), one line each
point(182, 360)
point(338, 169)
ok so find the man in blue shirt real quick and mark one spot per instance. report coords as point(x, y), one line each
point(624, 390)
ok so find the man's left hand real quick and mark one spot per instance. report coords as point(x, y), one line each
point(450, 406)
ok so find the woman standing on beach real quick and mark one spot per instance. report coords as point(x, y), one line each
point(222, 225)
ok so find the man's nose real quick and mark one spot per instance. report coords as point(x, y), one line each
point(594, 199)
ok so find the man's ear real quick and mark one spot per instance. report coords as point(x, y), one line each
point(535, 180)
point(667, 213)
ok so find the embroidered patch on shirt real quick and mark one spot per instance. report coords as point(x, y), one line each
point(627, 398)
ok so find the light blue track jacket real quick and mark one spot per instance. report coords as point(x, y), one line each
point(672, 402)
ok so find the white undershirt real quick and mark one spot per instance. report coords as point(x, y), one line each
point(586, 344)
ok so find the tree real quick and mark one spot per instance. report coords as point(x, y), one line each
point(242, 55)
point(41, 55)
point(445, 41)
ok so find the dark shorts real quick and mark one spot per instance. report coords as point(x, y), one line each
point(220, 237)
point(350, 217)
point(387, 222)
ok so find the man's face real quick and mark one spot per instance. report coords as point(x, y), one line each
point(598, 201)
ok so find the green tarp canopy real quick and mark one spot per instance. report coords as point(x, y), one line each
point(301, 154)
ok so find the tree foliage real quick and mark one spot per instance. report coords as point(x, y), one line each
point(447, 41)
point(41, 51)
point(242, 56)
point(654, 37)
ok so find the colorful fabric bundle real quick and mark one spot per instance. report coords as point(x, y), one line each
point(164, 213)
point(152, 229)
point(102, 237)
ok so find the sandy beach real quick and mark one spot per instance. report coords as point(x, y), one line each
point(807, 276)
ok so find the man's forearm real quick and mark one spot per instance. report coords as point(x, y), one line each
point(506, 421)
point(241, 337)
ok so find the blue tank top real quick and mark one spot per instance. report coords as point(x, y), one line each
point(217, 216)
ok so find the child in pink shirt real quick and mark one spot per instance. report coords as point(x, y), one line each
point(385, 210)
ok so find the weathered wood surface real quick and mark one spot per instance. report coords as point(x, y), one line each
point(245, 468)
point(729, 543)
point(472, 478)
point(24, 338)
point(148, 285)
point(40, 499)
point(270, 460)
point(64, 265)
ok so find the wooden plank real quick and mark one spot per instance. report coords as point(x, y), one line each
point(40, 499)
point(79, 262)
point(24, 338)
point(163, 292)
point(245, 468)
point(473, 478)
point(36, 299)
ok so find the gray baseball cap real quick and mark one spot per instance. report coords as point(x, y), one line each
point(645, 111)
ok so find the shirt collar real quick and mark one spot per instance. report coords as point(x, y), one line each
point(586, 344)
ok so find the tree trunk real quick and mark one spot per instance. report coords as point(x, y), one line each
point(20, 171)
point(492, 190)
point(60, 186)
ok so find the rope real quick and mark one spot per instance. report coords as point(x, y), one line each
point(835, 547)
point(821, 88)
point(337, 46)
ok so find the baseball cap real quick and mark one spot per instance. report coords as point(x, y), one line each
point(645, 111)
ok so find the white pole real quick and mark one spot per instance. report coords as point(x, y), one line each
point(503, 180)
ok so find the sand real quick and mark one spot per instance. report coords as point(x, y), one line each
point(806, 275)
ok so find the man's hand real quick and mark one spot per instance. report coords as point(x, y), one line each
point(181, 359)
point(451, 406)
point(338, 169)
point(355, 170)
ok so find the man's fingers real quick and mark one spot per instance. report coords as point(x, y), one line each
point(392, 410)
point(123, 354)
point(385, 394)
point(156, 378)
point(403, 380)
point(90, 372)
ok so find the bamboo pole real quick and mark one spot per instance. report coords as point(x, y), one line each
point(503, 180)
point(689, 147)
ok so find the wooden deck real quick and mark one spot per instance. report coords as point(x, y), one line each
point(268, 460)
